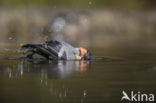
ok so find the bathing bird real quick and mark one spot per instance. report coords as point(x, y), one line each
point(57, 50)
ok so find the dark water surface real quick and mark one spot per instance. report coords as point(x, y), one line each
point(100, 81)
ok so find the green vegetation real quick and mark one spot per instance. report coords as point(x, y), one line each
point(135, 4)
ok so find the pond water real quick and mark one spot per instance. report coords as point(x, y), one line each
point(99, 81)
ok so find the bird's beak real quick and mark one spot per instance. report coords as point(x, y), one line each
point(87, 56)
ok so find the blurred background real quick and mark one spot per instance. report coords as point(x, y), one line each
point(107, 25)
point(120, 32)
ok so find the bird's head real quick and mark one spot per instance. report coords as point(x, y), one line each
point(84, 54)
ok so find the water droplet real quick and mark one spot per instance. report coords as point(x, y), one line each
point(10, 38)
point(19, 51)
point(90, 3)
point(21, 44)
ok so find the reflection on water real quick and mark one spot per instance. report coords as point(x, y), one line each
point(47, 73)
point(74, 81)
point(58, 69)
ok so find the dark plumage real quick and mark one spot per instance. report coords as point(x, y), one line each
point(55, 50)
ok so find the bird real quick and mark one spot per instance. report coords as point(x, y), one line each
point(57, 50)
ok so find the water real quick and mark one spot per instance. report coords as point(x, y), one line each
point(100, 81)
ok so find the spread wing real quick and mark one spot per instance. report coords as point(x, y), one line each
point(50, 50)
